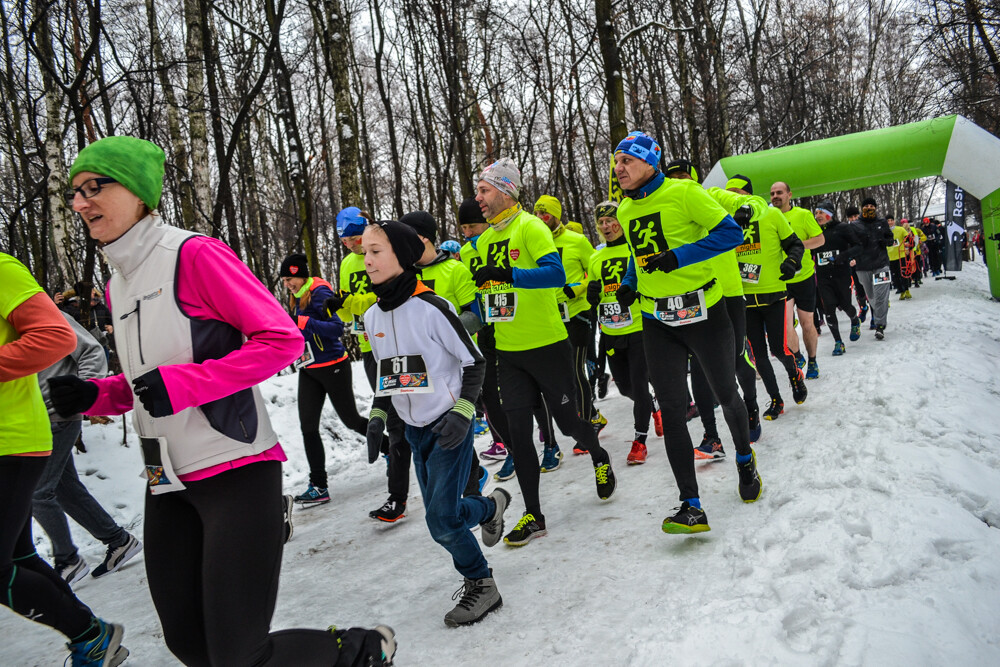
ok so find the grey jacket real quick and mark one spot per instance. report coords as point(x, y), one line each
point(87, 361)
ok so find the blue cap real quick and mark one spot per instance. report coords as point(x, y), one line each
point(451, 246)
point(642, 146)
point(350, 222)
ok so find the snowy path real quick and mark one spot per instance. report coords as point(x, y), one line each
point(876, 540)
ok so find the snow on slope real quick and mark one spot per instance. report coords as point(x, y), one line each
point(875, 541)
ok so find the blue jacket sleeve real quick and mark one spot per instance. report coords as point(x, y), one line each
point(319, 324)
point(631, 278)
point(723, 237)
point(549, 273)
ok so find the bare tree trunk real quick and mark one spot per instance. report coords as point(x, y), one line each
point(201, 187)
point(612, 71)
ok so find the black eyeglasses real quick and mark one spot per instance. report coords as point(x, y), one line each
point(89, 188)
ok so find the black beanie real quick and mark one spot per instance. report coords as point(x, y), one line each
point(404, 241)
point(422, 223)
point(294, 266)
point(469, 213)
point(868, 201)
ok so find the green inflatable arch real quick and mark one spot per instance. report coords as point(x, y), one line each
point(952, 147)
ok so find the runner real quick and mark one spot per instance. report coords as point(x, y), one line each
point(422, 369)
point(834, 260)
point(518, 283)
point(621, 328)
point(853, 215)
point(324, 370)
point(770, 254)
point(917, 240)
point(895, 252)
point(801, 289)
point(872, 263)
point(212, 461)
point(672, 227)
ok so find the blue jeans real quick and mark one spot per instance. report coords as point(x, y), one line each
point(442, 475)
point(60, 492)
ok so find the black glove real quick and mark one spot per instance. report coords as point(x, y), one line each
point(152, 393)
point(376, 425)
point(452, 429)
point(743, 215)
point(665, 261)
point(626, 296)
point(594, 288)
point(70, 395)
point(568, 291)
point(788, 269)
point(494, 274)
point(334, 303)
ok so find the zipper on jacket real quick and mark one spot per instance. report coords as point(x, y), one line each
point(138, 326)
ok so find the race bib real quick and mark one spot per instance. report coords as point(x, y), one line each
point(500, 306)
point(158, 472)
point(682, 309)
point(306, 359)
point(564, 310)
point(826, 258)
point(403, 375)
point(613, 316)
point(750, 273)
point(881, 277)
point(358, 326)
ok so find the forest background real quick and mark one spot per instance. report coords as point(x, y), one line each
point(275, 114)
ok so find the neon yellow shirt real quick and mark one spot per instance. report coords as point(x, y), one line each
point(469, 256)
point(727, 268)
point(762, 248)
point(898, 238)
point(24, 421)
point(804, 225)
point(354, 280)
point(451, 280)
point(536, 320)
point(575, 252)
point(607, 267)
point(676, 213)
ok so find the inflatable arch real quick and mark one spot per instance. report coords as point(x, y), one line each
point(952, 147)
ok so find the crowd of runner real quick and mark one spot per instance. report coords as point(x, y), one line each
point(685, 300)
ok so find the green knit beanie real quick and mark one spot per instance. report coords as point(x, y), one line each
point(135, 163)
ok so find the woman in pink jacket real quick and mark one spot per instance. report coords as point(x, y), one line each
point(196, 333)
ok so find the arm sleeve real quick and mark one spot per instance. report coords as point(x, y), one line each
point(631, 277)
point(723, 237)
point(272, 340)
point(330, 328)
point(549, 273)
point(793, 248)
point(91, 363)
point(732, 201)
point(45, 338)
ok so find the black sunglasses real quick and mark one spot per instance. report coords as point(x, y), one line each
point(89, 188)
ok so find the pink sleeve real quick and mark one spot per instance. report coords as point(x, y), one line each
point(214, 284)
point(114, 396)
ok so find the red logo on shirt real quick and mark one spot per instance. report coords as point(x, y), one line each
point(293, 269)
point(514, 254)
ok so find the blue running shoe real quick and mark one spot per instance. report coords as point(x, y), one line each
point(483, 478)
point(105, 649)
point(313, 496)
point(755, 428)
point(863, 315)
point(481, 427)
point(839, 349)
point(872, 327)
point(856, 331)
point(551, 459)
point(813, 372)
point(506, 470)
point(800, 361)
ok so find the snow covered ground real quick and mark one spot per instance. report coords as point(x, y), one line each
point(876, 541)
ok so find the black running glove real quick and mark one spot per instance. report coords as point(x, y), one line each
point(743, 215)
point(152, 393)
point(376, 425)
point(594, 288)
point(568, 291)
point(453, 428)
point(665, 261)
point(70, 395)
point(334, 303)
point(626, 296)
point(788, 269)
point(493, 274)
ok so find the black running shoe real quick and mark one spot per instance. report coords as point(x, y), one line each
point(526, 530)
point(750, 484)
point(799, 391)
point(755, 429)
point(602, 385)
point(774, 410)
point(606, 482)
point(880, 332)
point(390, 512)
point(687, 520)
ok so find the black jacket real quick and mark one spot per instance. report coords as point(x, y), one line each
point(875, 236)
point(842, 244)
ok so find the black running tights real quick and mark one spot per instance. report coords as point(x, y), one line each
point(627, 360)
point(766, 327)
point(315, 385)
point(835, 292)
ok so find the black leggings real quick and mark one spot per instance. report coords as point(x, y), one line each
point(766, 327)
point(581, 337)
point(835, 292)
point(525, 377)
point(746, 373)
point(491, 386)
point(213, 557)
point(667, 350)
point(315, 385)
point(627, 360)
point(30, 586)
